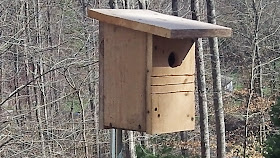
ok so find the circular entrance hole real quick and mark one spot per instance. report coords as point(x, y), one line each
point(172, 59)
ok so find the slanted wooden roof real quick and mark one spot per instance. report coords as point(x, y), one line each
point(159, 24)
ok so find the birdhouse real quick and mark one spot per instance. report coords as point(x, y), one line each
point(147, 69)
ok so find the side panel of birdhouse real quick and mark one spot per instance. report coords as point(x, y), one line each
point(123, 78)
point(172, 85)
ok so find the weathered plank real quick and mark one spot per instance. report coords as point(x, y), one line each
point(149, 65)
point(159, 24)
point(173, 105)
point(124, 78)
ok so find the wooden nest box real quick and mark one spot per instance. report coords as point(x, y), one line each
point(147, 69)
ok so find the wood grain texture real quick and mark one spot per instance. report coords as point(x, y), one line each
point(176, 88)
point(124, 78)
point(159, 24)
point(173, 112)
point(141, 87)
point(149, 82)
point(173, 104)
point(184, 63)
point(172, 80)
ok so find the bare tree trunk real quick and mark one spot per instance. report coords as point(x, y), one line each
point(71, 116)
point(175, 7)
point(25, 24)
point(26, 41)
point(131, 144)
point(17, 100)
point(38, 113)
point(247, 112)
point(43, 99)
point(126, 4)
point(113, 4)
point(217, 87)
point(84, 124)
point(93, 102)
point(184, 138)
point(91, 73)
point(16, 77)
point(140, 5)
point(273, 80)
point(1, 80)
point(1, 75)
point(126, 150)
point(38, 23)
point(43, 42)
point(258, 80)
point(143, 4)
point(52, 92)
point(201, 85)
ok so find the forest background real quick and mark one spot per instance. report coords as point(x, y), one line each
point(49, 79)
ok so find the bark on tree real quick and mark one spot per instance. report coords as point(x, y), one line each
point(201, 87)
point(132, 150)
point(143, 4)
point(39, 69)
point(17, 102)
point(1, 83)
point(26, 19)
point(258, 80)
point(126, 4)
point(175, 7)
point(89, 80)
point(38, 113)
point(126, 145)
point(217, 88)
point(140, 5)
point(52, 92)
point(113, 4)
point(84, 124)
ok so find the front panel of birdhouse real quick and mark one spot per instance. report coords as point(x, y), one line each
point(146, 81)
point(172, 86)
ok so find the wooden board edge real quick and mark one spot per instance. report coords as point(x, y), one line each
point(199, 33)
point(101, 76)
point(221, 31)
point(134, 25)
point(149, 54)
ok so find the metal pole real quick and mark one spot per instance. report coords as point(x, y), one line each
point(116, 143)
